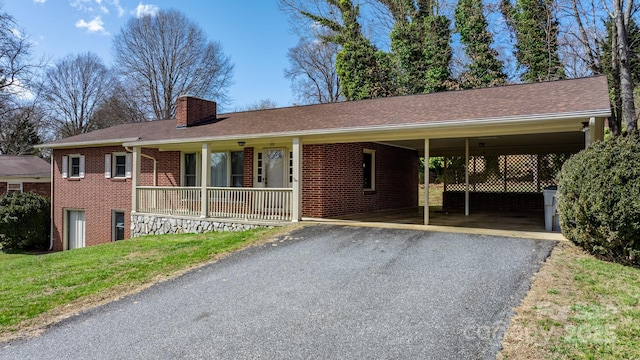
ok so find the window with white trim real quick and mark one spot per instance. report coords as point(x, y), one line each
point(227, 169)
point(117, 165)
point(369, 169)
point(14, 187)
point(73, 166)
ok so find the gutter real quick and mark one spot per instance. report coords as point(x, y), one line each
point(414, 126)
point(90, 143)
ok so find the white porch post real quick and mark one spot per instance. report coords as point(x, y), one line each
point(466, 177)
point(595, 132)
point(426, 181)
point(135, 178)
point(296, 211)
point(204, 180)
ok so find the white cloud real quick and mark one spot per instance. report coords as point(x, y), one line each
point(95, 26)
point(40, 1)
point(116, 4)
point(20, 91)
point(143, 10)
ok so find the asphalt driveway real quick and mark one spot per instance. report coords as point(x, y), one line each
point(321, 292)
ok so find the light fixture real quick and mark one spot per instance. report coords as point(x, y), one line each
point(241, 143)
point(585, 126)
point(481, 144)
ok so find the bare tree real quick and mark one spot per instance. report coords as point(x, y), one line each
point(166, 55)
point(313, 74)
point(73, 90)
point(262, 104)
point(122, 106)
point(16, 68)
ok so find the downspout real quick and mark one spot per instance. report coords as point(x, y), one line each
point(155, 163)
point(51, 207)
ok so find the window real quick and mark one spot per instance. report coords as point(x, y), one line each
point(14, 187)
point(227, 169)
point(237, 168)
point(117, 165)
point(117, 225)
point(369, 168)
point(74, 169)
point(190, 169)
point(73, 166)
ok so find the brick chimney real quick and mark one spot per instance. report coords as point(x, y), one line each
point(193, 111)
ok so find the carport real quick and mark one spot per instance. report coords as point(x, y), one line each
point(500, 150)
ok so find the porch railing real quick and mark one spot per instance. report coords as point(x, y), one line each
point(238, 203)
point(250, 203)
point(168, 200)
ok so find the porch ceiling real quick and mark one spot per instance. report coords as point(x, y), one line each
point(495, 145)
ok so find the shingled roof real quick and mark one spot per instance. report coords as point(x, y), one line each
point(576, 96)
point(24, 166)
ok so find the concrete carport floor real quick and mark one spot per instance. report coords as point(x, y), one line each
point(322, 291)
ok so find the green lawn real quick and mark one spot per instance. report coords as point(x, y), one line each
point(31, 285)
point(579, 307)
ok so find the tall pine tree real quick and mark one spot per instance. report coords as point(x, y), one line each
point(536, 31)
point(484, 68)
point(364, 71)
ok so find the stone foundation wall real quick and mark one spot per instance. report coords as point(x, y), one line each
point(160, 225)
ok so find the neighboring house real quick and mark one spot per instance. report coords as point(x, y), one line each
point(207, 171)
point(24, 173)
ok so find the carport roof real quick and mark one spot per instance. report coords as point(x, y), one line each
point(583, 97)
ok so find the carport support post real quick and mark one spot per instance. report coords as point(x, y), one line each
point(426, 181)
point(466, 177)
point(135, 178)
point(296, 212)
point(204, 180)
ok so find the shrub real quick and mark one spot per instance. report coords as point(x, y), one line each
point(599, 199)
point(24, 221)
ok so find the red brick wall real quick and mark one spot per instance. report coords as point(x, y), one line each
point(247, 178)
point(332, 179)
point(98, 196)
point(43, 189)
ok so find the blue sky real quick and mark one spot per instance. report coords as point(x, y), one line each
point(255, 34)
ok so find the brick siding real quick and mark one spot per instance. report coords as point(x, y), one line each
point(98, 196)
point(332, 179)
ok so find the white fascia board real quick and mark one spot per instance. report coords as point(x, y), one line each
point(83, 144)
point(416, 126)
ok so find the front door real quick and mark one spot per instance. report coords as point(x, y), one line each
point(75, 229)
point(274, 168)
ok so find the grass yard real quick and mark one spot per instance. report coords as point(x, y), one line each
point(578, 308)
point(50, 285)
point(435, 194)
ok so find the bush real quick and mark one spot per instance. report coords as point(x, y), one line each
point(599, 199)
point(24, 221)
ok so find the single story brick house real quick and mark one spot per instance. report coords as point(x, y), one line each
point(208, 171)
point(24, 173)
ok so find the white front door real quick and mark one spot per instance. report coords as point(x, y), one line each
point(274, 161)
point(75, 229)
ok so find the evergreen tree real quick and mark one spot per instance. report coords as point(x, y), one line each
point(536, 31)
point(19, 132)
point(484, 68)
point(364, 71)
point(420, 44)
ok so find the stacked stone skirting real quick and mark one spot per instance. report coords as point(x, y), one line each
point(160, 225)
